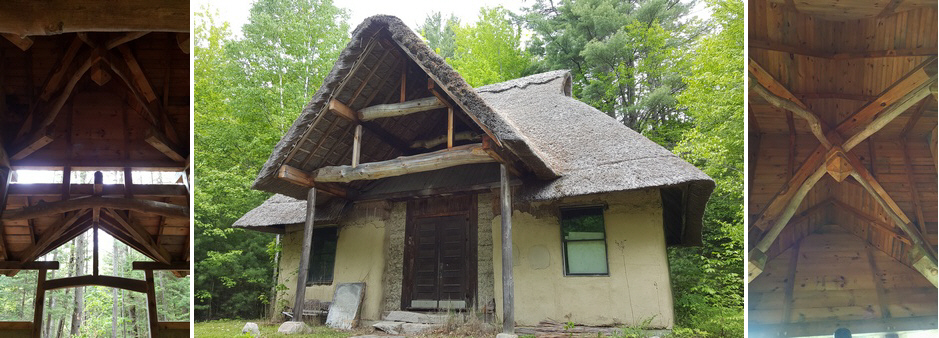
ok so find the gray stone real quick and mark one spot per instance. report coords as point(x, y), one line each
point(376, 336)
point(294, 328)
point(390, 327)
point(344, 310)
point(418, 318)
point(251, 328)
point(413, 329)
point(506, 335)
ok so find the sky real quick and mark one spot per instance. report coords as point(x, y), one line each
point(412, 12)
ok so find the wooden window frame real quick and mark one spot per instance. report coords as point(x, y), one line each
point(606, 252)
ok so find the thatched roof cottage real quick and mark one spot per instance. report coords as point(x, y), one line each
point(412, 174)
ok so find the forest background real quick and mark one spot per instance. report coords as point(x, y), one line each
point(649, 64)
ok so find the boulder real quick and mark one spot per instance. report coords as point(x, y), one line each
point(252, 329)
point(294, 328)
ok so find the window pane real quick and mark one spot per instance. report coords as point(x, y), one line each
point(584, 223)
point(586, 257)
point(322, 256)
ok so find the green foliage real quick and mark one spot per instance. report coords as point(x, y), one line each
point(248, 92)
point(489, 51)
point(708, 281)
point(232, 328)
point(440, 35)
point(627, 58)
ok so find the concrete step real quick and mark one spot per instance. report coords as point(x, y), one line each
point(416, 318)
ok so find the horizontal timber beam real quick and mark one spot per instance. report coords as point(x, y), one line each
point(885, 53)
point(857, 327)
point(100, 280)
point(99, 164)
point(400, 109)
point(166, 146)
point(60, 207)
point(28, 17)
point(302, 178)
point(466, 154)
point(36, 265)
point(160, 266)
point(55, 189)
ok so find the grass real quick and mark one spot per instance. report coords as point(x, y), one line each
point(228, 328)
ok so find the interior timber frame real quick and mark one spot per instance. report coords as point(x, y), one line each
point(842, 167)
point(92, 86)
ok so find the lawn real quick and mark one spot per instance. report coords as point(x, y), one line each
point(228, 328)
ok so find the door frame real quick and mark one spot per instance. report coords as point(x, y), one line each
point(431, 207)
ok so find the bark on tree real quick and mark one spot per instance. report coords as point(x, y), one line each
point(48, 322)
point(116, 263)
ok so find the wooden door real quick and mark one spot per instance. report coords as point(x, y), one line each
point(440, 256)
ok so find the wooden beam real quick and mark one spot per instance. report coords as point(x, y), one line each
point(512, 164)
point(889, 228)
point(34, 265)
point(343, 111)
point(890, 8)
point(26, 17)
point(356, 145)
point(21, 42)
point(400, 109)
point(436, 141)
point(302, 178)
point(776, 94)
point(141, 236)
point(172, 266)
point(62, 65)
point(908, 165)
point(108, 281)
point(124, 38)
point(508, 280)
point(15, 326)
point(860, 326)
point(903, 91)
point(60, 207)
point(307, 247)
point(152, 319)
point(924, 265)
point(798, 50)
point(932, 138)
point(52, 233)
point(169, 148)
point(790, 282)
point(69, 86)
point(39, 302)
point(791, 163)
point(877, 276)
point(467, 154)
point(140, 190)
point(100, 75)
point(36, 141)
point(449, 127)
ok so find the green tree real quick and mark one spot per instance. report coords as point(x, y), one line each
point(440, 34)
point(248, 92)
point(709, 279)
point(627, 57)
point(489, 51)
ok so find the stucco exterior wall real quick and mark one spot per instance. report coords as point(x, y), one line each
point(359, 258)
point(636, 289)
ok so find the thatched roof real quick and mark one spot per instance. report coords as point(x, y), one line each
point(570, 148)
point(280, 210)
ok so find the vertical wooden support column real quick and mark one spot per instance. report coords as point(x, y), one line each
point(508, 282)
point(305, 256)
point(151, 305)
point(356, 145)
point(38, 303)
point(449, 127)
point(94, 236)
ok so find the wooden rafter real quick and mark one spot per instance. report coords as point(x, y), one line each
point(124, 38)
point(467, 154)
point(108, 281)
point(302, 178)
point(886, 53)
point(889, 228)
point(778, 95)
point(26, 17)
point(908, 165)
point(52, 233)
point(166, 146)
point(141, 236)
point(21, 42)
point(59, 207)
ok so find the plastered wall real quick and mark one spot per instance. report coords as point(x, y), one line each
point(637, 288)
point(359, 258)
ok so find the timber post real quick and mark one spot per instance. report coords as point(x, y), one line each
point(305, 255)
point(151, 304)
point(508, 283)
point(38, 303)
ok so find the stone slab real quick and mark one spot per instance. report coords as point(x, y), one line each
point(415, 329)
point(414, 317)
point(294, 328)
point(344, 310)
point(389, 327)
point(506, 335)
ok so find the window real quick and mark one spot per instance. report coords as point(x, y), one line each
point(584, 241)
point(322, 256)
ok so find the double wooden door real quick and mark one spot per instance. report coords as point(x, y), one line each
point(440, 255)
